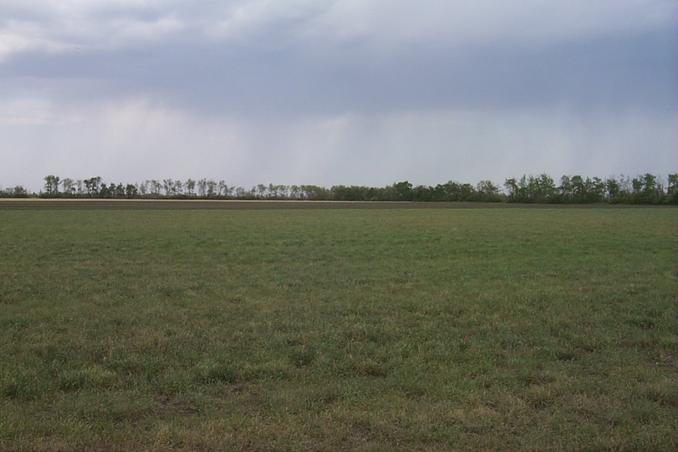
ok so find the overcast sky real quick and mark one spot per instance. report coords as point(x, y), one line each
point(336, 91)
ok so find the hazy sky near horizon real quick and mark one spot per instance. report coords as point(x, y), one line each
point(336, 91)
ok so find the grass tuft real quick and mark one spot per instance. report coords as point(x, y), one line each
point(90, 378)
point(212, 372)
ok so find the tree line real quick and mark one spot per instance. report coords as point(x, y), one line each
point(644, 189)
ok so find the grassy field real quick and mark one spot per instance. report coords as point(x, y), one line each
point(339, 329)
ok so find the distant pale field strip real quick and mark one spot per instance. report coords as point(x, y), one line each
point(61, 203)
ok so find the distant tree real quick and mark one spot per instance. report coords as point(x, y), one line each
point(14, 192)
point(156, 187)
point(596, 189)
point(260, 191)
point(143, 188)
point(131, 191)
point(168, 187)
point(612, 190)
point(190, 187)
point(546, 189)
point(119, 191)
point(651, 189)
point(487, 191)
point(228, 190)
point(403, 191)
point(565, 189)
point(211, 188)
point(104, 191)
point(637, 184)
point(240, 192)
point(202, 188)
point(92, 186)
point(512, 189)
point(420, 193)
point(68, 186)
point(52, 185)
point(468, 193)
point(314, 192)
point(672, 189)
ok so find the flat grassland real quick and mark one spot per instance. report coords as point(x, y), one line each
point(339, 329)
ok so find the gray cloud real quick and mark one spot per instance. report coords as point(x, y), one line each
point(336, 91)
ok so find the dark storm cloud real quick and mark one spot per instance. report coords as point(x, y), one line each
point(259, 77)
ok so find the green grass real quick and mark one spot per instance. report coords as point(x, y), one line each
point(337, 329)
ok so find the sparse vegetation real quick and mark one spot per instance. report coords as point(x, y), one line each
point(339, 329)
